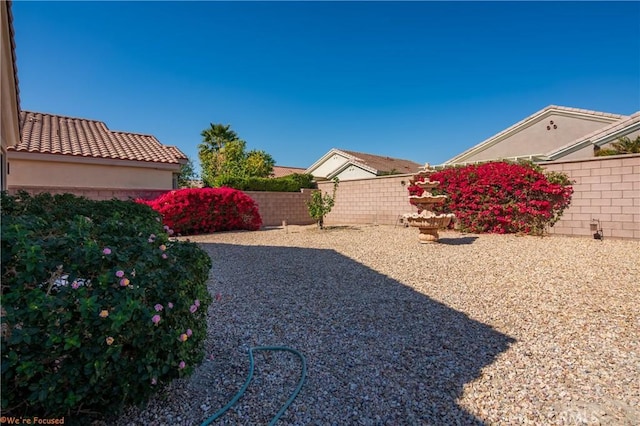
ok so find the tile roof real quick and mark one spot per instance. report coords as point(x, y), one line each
point(279, 171)
point(55, 134)
point(382, 164)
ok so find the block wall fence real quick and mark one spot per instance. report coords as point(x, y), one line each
point(605, 188)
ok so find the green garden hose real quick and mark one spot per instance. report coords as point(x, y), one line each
point(250, 376)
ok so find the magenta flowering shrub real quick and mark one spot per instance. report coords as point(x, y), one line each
point(502, 197)
point(193, 211)
point(100, 308)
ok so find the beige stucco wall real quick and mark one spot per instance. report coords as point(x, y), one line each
point(9, 121)
point(33, 173)
point(536, 139)
point(354, 172)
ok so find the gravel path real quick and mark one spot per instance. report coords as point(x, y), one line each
point(488, 329)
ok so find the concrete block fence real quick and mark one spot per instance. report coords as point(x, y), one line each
point(606, 189)
point(379, 200)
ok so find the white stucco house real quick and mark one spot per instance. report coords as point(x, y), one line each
point(350, 165)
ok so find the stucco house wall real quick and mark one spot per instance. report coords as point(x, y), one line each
point(9, 98)
point(541, 137)
point(34, 173)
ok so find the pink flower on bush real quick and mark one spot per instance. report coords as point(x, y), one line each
point(154, 381)
point(183, 337)
point(104, 313)
point(155, 319)
point(193, 308)
point(124, 282)
point(164, 255)
point(189, 332)
point(106, 251)
point(170, 305)
point(75, 285)
point(163, 247)
point(197, 303)
point(158, 307)
point(182, 365)
point(119, 274)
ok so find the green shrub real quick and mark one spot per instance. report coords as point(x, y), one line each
point(99, 306)
point(290, 183)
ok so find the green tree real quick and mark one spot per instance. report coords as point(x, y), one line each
point(187, 174)
point(222, 155)
point(320, 205)
point(623, 145)
point(214, 139)
point(259, 164)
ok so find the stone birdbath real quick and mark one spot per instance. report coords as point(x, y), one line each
point(427, 221)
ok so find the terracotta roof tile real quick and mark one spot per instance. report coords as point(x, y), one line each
point(280, 171)
point(56, 134)
point(383, 164)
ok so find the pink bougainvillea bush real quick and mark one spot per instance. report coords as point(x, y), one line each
point(502, 197)
point(194, 211)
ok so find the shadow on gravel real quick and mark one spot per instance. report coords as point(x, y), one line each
point(378, 352)
point(457, 241)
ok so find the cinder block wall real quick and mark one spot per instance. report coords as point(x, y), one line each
point(379, 200)
point(606, 188)
point(275, 207)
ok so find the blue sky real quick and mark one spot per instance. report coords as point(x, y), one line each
point(416, 80)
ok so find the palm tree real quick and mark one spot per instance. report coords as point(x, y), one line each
point(216, 136)
point(625, 145)
point(210, 150)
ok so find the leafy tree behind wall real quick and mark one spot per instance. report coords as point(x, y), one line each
point(223, 154)
point(623, 145)
point(187, 174)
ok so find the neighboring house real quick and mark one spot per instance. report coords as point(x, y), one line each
point(349, 165)
point(280, 171)
point(66, 154)
point(9, 93)
point(553, 133)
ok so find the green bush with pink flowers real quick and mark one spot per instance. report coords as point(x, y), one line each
point(100, 306)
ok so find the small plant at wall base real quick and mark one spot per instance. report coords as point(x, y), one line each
point(320, 205)
point(502, 197)
point(100, 308)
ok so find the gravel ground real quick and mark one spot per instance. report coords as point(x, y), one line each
point(479, 329)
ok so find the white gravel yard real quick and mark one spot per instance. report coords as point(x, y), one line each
point(478, 329)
